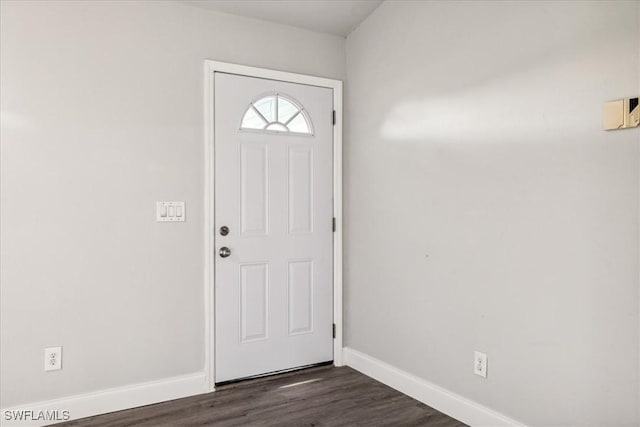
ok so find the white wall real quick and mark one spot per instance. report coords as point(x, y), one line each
point(475, 136)
point(102, 115)
point(480, 120)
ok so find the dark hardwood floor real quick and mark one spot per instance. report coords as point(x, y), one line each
point(324, 396)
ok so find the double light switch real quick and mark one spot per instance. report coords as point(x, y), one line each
point(170, 211)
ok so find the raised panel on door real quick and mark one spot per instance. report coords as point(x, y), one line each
point(254, 190)
point(300, 304)
point(254, 302)
point(300, 198)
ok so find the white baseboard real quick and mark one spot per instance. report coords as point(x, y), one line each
point(458, 407)
point(116, 399)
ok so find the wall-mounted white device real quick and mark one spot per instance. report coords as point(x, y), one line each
point(52, 358)
point(621, 114)
point(480, 364)
point(170, 211)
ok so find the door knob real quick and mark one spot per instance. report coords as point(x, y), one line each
point(224, 252)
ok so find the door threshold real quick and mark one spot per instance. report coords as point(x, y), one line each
point(274, 373)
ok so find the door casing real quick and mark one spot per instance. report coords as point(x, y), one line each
point(211, 67)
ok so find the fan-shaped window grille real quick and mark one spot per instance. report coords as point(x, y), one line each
point(277, 113)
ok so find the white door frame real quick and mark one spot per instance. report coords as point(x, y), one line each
point(210, 67)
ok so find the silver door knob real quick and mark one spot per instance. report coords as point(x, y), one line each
point(224, 252)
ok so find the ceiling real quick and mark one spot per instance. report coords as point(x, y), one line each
point(338, 17)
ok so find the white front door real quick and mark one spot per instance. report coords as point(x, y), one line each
point(273, 216)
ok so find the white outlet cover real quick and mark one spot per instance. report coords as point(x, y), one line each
point(52, 358)
point(480, 364)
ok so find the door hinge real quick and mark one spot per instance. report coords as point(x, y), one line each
point(334, 117)
point(333, 224)
point(334, 330)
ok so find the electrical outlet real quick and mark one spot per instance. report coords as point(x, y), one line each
point(480, 364)
point(52, 358)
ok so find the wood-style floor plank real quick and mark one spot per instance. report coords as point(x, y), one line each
point(317, 397)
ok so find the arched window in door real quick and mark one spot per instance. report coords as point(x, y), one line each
point(277, 113)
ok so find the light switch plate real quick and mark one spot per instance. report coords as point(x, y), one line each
point(170, 211)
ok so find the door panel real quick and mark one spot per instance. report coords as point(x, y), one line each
point(254, 180)
point(300, 302)
point(254, 304)
point(300, 198)
point(274, 292)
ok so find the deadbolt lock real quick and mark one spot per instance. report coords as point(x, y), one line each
point(224, 230)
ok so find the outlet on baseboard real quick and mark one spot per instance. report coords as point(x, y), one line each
point(52, 358)
point(480, 364)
